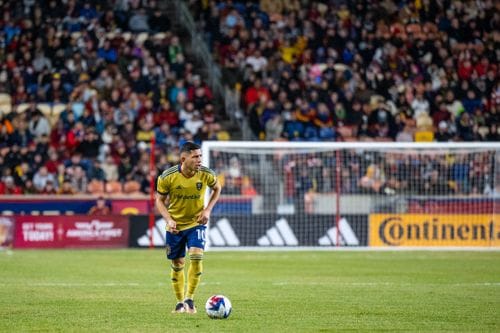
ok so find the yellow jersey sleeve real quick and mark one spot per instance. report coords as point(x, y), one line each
point(164, 181)
point(211, 177)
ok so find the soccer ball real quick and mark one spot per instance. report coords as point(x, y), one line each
point(218, 307)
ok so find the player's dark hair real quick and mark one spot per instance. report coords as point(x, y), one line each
point(189, 146)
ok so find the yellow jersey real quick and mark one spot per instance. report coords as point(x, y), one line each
point(186, 195)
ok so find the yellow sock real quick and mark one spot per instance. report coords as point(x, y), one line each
point(194, 273)
point(177, 276)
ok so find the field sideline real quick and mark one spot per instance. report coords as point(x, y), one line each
point(324, 291)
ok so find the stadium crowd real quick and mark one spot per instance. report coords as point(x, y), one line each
point(88, 84)
point(84, 87)
point(418, 70)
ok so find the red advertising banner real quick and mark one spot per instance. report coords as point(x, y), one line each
point(70, 231)
point(130, 206)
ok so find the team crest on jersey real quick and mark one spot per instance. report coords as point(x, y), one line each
point(199, 185)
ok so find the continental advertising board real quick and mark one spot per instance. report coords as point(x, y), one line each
point(434, 230)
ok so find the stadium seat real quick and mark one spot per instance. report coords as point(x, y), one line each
point(483, 131)
point(141, 38)
point(132, 187)
point(22, 107)
point(126, 36)
point(347, 132)
point(46, 109)
point(57, 109)
point(5, 103)
point(160, 35)
point(114, 187)
point(424, 136)
point(76, 34)
point(96, 187)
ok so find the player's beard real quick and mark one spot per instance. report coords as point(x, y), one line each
point(195, 168)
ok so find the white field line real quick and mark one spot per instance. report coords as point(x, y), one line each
point(96, 284)
point(377, 284)
point(278, 283)
point(353, 248)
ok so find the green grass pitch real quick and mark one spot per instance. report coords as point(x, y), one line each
point(324, 291)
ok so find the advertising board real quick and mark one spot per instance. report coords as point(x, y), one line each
point(70, 231)
point(267, 230)
point(434, 230)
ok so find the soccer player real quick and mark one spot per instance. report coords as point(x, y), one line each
point(184, 187)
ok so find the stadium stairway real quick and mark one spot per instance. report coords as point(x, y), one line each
point(226, 103)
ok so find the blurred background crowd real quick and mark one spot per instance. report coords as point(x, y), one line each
point(85, 85)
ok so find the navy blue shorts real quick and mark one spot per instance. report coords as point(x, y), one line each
point(176, 243)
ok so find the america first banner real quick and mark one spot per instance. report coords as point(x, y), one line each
point(434, 230)
point(70, 231)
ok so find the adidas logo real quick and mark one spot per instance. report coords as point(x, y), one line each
point(158, 234)
point(346, 237)
point(222, 234)
point(279, 235)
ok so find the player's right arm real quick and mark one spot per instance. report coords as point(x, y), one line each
point(160, 203)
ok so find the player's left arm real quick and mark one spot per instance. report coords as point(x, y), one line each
point(205, 214)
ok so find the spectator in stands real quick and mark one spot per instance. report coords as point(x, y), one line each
point(28, 187)
point(494, 133)
point(274, 127)
point(38, 124)
point(323, 120)
point(79, 180)
point(406, 135)
point(89, 147)
point(49, 188)
point(166, 115)
point(443, 134)
point(194, 124)
point(110, 168)
point(42, 177)
point(460, 175)
point(465, 127)
point(304, 185)
point(56, 91)
point(374, 179)
point(96, 172)
point(66, 187)
point(100, 207)
point(10, 187)
point(247, 187)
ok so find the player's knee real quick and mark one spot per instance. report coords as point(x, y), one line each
point(178, 262)
point(196, 262)
point(177, 268)
point(177, 265)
